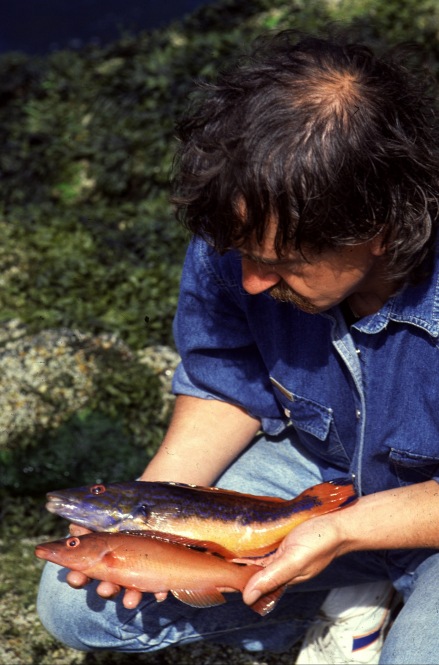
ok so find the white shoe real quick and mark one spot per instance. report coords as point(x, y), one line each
point(351, 626)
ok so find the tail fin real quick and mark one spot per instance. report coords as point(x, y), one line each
point(342, 493)
point(326, 497)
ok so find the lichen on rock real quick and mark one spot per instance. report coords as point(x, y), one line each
point(73, 399)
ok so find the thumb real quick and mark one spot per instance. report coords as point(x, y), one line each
point(269, 579)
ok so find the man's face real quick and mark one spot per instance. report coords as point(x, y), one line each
point(315, 283)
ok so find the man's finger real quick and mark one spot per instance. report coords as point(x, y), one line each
point(131, 598)
point(77, 580)
point(107, 589)
point(76, 530)
point(269, 579)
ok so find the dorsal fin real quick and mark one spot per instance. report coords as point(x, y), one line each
point(220, 490)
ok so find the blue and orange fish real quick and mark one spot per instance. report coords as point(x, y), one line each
point(225, 522)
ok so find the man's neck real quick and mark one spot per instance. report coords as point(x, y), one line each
point(370, 302)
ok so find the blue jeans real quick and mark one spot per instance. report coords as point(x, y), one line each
point(84, 621)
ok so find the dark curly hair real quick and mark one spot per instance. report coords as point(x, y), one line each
point(328, 139)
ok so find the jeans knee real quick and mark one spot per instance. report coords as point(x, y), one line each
point(58, 609)
point(413, 637)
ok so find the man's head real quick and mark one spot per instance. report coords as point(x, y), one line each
point(329, 142)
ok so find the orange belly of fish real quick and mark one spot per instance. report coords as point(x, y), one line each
point(228, 538)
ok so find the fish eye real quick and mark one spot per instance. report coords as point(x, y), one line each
point(97, 489)
point(73, 542)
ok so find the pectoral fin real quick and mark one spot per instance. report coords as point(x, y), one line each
point(199, 598)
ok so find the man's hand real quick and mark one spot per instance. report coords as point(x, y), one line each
point(404, 517)
point(304, 553)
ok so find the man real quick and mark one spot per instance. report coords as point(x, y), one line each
point(308, 327)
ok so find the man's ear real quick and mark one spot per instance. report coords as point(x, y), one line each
point(377, 246)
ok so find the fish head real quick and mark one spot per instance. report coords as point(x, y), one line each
point(97, 507)
point(75, 552)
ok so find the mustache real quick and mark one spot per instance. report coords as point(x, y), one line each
point(284, 293)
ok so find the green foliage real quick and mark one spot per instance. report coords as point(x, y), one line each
point(27, 515)
point(88, 142)
point(393, 22)
point(102, 271)
point(110, 438)
point(89, 448)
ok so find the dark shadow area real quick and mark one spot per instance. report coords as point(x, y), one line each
point(42, 26)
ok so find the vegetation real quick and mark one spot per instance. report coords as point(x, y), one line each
point(87, 148)
point(90, 246)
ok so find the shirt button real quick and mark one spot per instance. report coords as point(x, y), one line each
point(357, 414)
point(287, 412)
point(358, 351)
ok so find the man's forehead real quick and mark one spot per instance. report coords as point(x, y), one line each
point(269, 260)
point(265, 250)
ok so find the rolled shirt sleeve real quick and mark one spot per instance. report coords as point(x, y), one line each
point(219, 356)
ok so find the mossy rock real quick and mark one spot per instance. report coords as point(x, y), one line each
point(76, 408)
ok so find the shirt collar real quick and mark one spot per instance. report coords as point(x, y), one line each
point(416, 305)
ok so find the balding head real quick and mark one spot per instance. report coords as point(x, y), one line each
point(327, 138)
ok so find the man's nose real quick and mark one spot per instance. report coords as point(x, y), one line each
point(257, 278)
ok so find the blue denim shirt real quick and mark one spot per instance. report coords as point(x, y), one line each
point(365, 400)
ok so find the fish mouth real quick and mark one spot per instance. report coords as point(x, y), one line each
point(74, 511)
point(67, 508)
point(57, 505)
point(42, 552)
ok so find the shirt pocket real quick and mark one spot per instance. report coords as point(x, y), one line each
point(314, 424)
point(410, 467)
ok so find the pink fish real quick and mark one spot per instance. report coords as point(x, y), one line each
point(153, 564)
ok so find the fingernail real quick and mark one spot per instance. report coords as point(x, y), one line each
point(252, 596)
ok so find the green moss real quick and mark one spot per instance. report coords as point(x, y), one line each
point(88, 141)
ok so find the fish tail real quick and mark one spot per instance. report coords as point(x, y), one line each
point(341, 491)
point(325, 497)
